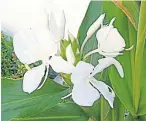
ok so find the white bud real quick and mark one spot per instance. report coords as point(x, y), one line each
point(69, 54)
point(95, 25)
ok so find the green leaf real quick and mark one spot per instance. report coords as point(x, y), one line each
point(131, 10)
point(143, 118)
point(61, 112)
point(142, 103)
point(117, 113)
point(93, 111)
point(129, 118)
point(16, 103)
point(139, 78)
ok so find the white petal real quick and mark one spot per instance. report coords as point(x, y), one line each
point(60, 65)
point(112, 21)
point(95, 25)
point(84, 94)
point(105, 63)
point(105, 90)
point(47, 44)
point(81, 72)
point(70, 55)
point(45, 77)
point(31, 46)
point(25, 47)
point(102, 34)
point(110, 39)
point(62, 25)
point(32, 78)
point(53, 27)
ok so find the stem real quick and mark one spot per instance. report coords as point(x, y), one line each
point(83, 44)
point(132, 54)
point(113, 115)
point(66, 96)
point(102, 109)
point(91, 52)
point(139, 55)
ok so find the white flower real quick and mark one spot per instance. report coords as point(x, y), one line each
point(86, 88)
point(110, 42)
point(32, 46)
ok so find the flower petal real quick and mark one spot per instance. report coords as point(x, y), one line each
point(105, 90)
point(70, 55)
point(84, 94)
point(47, 44)
point(110, 39)
point(95, 25)
point(60, 65)
point(106, 62)
point(62, 25)
point(31, 46)
point(53, 27)
point(32, 78)
point(25, 47)
point(81, 72)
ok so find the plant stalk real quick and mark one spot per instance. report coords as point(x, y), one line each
point(139, 55)
point(101, 109)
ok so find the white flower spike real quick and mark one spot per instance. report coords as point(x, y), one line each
point(32, 46)
point(110, 42)
point(87, 89)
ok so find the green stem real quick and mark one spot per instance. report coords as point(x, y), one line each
point(101, 109)
point(139, 55)
point(83, 44)
point(132, 54)
point(113, 115)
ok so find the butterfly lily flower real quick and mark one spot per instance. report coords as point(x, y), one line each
point(31, 46)
point(86, 89)
point(110, 42)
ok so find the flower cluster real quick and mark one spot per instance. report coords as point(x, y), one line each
point(44, 45)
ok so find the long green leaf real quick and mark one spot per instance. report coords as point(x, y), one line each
point(130, 9)
point(61, 112)
point(16, 103)
point(139, 56)
point(117, 113)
